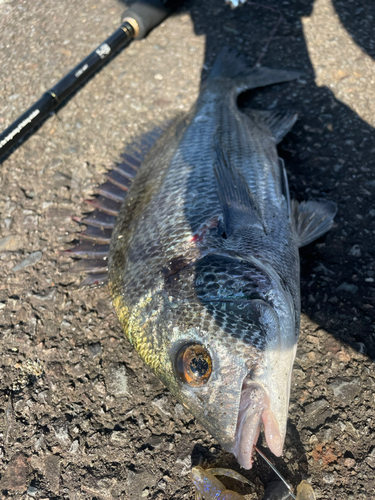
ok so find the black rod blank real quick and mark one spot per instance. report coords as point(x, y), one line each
point(141, 18)
point(53, 97)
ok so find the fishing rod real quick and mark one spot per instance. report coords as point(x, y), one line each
point(137, 22)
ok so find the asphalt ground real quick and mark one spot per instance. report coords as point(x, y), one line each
point(81, 417)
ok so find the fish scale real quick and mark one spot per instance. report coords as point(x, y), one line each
point(255, 157)
point(250, 154)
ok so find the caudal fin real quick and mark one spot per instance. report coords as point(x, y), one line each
point(230, 64)
point(278, 122)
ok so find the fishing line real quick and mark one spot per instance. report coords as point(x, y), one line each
point(275, 28)
point(276, 471)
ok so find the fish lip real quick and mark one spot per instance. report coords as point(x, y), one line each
point(248, 421)
point(253, 411)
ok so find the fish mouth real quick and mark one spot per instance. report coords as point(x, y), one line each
point(253, 411)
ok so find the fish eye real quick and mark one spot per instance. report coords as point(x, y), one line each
point(194, 364)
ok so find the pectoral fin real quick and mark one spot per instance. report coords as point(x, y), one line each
point(312, 219)
point(236, 199)
point(285, 186)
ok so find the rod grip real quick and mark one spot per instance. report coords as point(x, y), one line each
point(147, 14)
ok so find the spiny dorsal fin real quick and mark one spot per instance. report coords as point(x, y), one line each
point(93, 248)
point(236, 199)
point(278, 122)
point(312, 219)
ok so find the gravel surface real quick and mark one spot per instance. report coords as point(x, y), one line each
point(81, 417)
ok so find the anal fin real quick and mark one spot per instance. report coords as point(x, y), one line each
point(312, 219)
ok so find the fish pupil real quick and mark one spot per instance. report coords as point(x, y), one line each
point(199, 366)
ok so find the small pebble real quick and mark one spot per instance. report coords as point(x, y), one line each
point(116, 380)
point(329, 478)
point(349, 462)
point(32, 259)
point(347, 287)
point(8, 222)
point(95, 349)
point(10, 243)
point(32, 491)
point(355, 251)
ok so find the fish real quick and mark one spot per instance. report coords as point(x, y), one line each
point(197, 237)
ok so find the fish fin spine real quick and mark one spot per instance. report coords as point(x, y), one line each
point(91, 253)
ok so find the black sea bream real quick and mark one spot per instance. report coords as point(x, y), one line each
point(203, 260)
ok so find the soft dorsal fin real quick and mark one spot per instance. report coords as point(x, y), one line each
point(236, 199)
point(278, 122)
point(311, 219)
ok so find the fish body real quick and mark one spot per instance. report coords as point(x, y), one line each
point(204, 264)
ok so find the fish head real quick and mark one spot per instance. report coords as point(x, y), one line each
point(229, 347)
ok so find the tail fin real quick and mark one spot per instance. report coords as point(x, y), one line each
point(230, 64)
